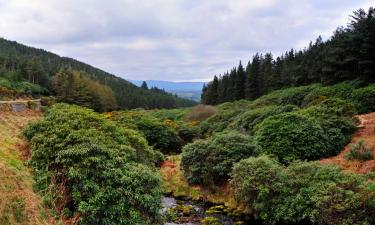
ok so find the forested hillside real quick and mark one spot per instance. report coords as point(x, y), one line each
point(349, 54)
point(29, 71)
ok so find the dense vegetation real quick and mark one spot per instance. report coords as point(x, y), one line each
point(165, 130)
point(30, 71)
point(347, 55)
point(89, 168)
point(291, 124)
point(257, 146)
point(304, 191)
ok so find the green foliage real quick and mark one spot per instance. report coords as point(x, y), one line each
point(303, 191)
point(359, 151)
point(247, 121)
point(210, 220)
point(335, 116)
point(93, 168)
point(341, 90)
point(157, 133)
point(291, 136)
point(76, 88)
point(223, 117)
point(365, 99)
point(210, 161)
point(17, 89)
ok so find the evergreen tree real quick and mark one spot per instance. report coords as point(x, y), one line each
point(144, 85)
point(239, 82)
point(252, 84)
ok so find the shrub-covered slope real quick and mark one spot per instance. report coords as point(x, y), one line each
point(90, 169)
point(266, 148)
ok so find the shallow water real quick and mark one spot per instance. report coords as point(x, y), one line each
point(198, 212)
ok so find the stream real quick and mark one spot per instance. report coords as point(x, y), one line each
point(187, 212)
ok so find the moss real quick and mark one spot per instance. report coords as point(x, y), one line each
point(210, 221)
point(216, 209)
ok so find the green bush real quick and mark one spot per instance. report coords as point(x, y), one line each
point(246, 122)
point(188, 133)
point(335, 116)
point(89, 166)
point(288, 96)
point(341, 90)
point(157, 133)
point(359, 151)
point(365, 99)
point(226, 113)
point(210, 161)
point(291, 136)
point(303, 191)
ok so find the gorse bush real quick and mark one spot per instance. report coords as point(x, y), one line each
point(210, 161)
point(303, 191)
point(88, 166)
point(359, 151)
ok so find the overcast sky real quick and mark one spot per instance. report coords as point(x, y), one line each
point(170, 39)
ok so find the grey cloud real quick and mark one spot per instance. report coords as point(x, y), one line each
point(170, 39)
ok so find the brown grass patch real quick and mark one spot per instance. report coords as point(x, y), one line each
point(19, 204)
point(366, 133)
point(201, 112)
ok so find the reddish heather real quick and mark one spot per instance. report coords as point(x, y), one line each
point(366, 133)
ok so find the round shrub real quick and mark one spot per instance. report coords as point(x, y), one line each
point(160, 135)
point(210, 161)
point(335, 116)
point(255, 180)
point(291, 136)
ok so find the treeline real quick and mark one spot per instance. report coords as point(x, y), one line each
point(20, 63)
point(347, 55)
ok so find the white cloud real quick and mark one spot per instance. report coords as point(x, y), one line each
point(170, 39)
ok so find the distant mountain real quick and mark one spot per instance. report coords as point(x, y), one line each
point(188, 90)
point(14, 56)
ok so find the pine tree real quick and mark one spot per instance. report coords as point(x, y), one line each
point(239, 83)
point(252, 84)
point(144, 85)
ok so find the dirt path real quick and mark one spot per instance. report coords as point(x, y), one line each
point(366, 133)
point(19, 204)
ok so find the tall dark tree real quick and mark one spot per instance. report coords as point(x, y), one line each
point(239, 83)
point(144, 85)
point(252, 82)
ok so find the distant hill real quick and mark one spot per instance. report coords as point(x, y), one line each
point(14, 58)
point(188, 90)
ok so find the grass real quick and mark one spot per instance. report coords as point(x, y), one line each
point(19, 205)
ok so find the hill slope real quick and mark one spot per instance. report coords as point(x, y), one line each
point(19, 204)
point(188, 90)
point(14, 55)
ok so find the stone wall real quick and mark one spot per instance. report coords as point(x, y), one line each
point(20, 105)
